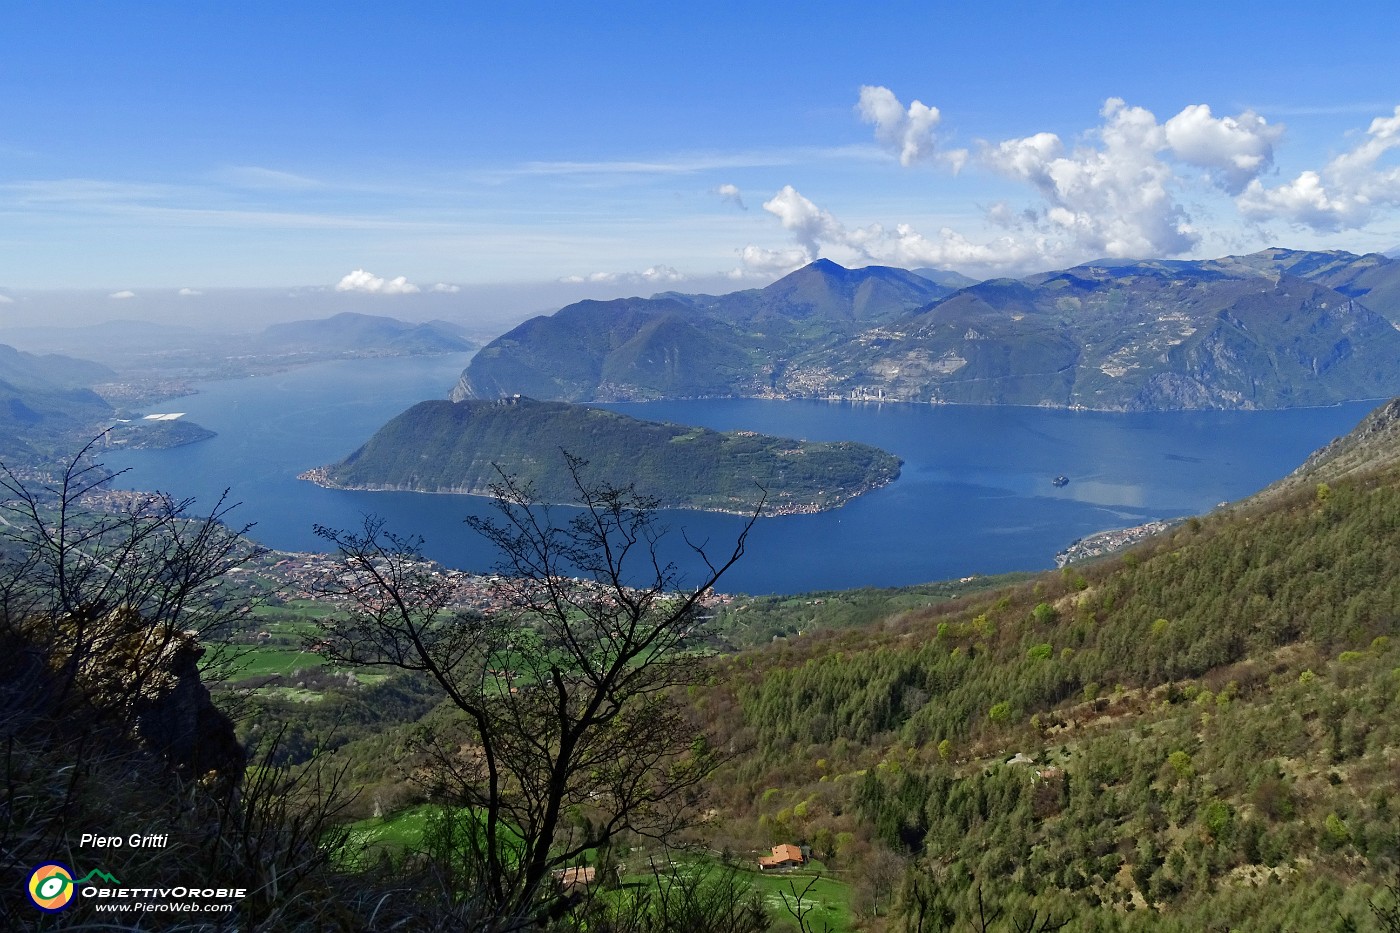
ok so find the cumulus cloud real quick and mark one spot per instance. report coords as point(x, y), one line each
point(362, 281)
point(1113, 192)
point(731, 194)
point(1117, 190)
point(810, 225)
point(189, 292)
point(818, 231)
point(6, 300)
point(1114, 199)
point(757, 262)
point(122, 295)
point(444, 287)
point(907, 132)
point(1236, 149)
point(1344, 194)
point(661, 274)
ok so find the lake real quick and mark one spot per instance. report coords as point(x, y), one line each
point(975, 494)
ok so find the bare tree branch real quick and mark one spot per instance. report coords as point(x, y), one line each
point(565, 692)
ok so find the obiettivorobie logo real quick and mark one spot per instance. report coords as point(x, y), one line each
point(52, 884)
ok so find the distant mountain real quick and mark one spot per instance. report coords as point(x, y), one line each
point(1135, 336)
point(946, 277)
point(1373, 278)
point(45, 397)
point(673, 345)
point(50, 370)
point(1275, 329)
point(442, 446)
point(351, 332)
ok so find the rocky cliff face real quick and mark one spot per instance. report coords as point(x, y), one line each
point(147, 681)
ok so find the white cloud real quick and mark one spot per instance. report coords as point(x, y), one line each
point(362, 281)
point(818, 231)
point(810, 225)
point(650, 275)
point(1114, 192)
point(757, 262)
point(907, 132)
point(123, 295)
point(189, 292)
point(1236, 149)
point(446, 288)
point(661, 274)
point(1344, 194)
point(731, 193)
point(1114, 199)
point(6, 300)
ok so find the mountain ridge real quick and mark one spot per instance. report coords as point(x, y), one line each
point(1275, 329)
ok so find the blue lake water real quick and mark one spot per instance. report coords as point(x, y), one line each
point(975, 494)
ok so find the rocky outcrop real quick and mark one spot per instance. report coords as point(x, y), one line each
point(147, 680)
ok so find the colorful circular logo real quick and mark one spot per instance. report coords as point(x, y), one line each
point(51, 886)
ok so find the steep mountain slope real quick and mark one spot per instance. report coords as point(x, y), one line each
point(442, 446)
point(674, 345)
point(1150, 335)
point(1372, 445)
point(1198, 734)
point(579, 352)
point(1373, 278)
point(1276, 329)
point(45, 397)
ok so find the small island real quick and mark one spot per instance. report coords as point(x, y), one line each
point(457, 447)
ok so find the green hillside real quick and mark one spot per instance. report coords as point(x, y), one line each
point(1199, 734)
point(45, 402)
point(462, 447)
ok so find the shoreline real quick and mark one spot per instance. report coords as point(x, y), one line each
point(939, 403)
point(321, 477)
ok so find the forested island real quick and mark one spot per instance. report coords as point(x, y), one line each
point(464, 447)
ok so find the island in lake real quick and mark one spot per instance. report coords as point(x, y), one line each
point(462, 447)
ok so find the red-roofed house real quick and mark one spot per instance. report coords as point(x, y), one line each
point(783, 856)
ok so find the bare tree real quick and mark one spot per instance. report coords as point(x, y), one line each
point(113, 584)
point(569, 734)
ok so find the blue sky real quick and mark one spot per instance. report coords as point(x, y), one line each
point(187, 144)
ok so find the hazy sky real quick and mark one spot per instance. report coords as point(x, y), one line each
point(199, 144)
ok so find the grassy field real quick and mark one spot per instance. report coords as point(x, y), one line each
point(826, 904)
point(828, 900)
point(274, 660)
point(395, 834)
